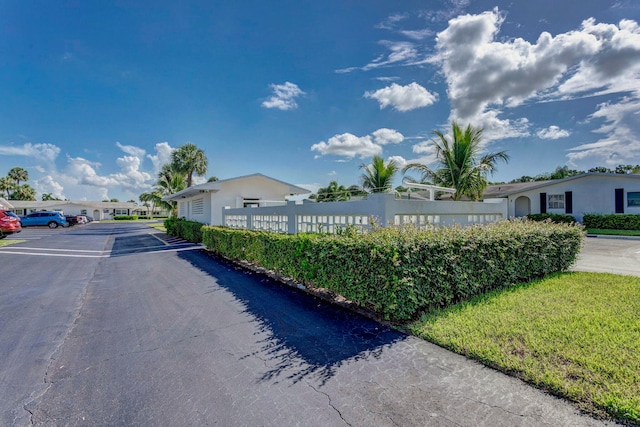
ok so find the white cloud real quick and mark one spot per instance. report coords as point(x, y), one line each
point(620, 143)
point(131, 150)
point(47, 184)
point(162, 156)
point(348, 145)
point(552, 132)
point(284, 97)
point(403, 98)
point(385, 136)
point(484, 76)
point(46, 152)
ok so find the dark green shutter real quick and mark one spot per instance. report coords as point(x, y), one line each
point(543, 202)
point(568, 202)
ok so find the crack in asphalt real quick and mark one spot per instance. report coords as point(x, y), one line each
point(331, 405)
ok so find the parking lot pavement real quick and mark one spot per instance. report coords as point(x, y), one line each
point(609, 255)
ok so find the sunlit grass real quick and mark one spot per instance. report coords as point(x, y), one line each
point(574, 334)
point(158, 226)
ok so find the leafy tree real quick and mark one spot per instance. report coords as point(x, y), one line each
point(114, 200)
point(600, 169)
point(625, 169)
point(378, 177)
point(461, 165)
point(213, 179)
point(189, 159)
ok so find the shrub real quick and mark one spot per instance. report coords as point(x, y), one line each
point(398, 272)
point(555, 218)
point(612, 221)
point(125, 217)
point(188, 230)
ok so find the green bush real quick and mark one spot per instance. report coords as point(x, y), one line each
point(612, 221)
point(556, 218)
point(125, 217)
point(398, 272)
point(188, 230)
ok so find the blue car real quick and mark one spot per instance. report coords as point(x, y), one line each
point(50, 219)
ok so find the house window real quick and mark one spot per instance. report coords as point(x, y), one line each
point(633, 198)
point(83, 212)
point(121, 212)
point(555, 201)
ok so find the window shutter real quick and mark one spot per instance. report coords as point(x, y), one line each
point(619, 200)
point(568, 202)
point(543, 202)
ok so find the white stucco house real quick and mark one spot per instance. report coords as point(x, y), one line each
point(205, 202)
point(589, 193)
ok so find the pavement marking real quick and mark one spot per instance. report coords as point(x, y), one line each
point(162, 240)
point(53, 249)
point(102, 254)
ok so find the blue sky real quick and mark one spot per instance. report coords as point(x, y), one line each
point(95, 95)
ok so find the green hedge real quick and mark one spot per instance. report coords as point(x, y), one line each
point(398, 272)
point(557, 218)
point(125, 217)
point(188, 230)
point(612, 222)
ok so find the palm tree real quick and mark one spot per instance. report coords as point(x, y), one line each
point(7, 184)
point(332, 193)
point(24, 192)
point(461, 165)
point(378, 177)
point(169, 182)
point(189, 159)
point(18, 174)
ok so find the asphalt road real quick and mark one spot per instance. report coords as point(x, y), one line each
point(115, 325)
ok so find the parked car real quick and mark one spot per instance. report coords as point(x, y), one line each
point(9, 223)
point(71, 219)
point(50, 219)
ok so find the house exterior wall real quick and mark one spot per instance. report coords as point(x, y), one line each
point(590, 194)
point(232, 194)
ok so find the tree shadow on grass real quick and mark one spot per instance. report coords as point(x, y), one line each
point(307, 337)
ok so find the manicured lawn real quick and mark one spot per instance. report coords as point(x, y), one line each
point(613, 232)
point(576, 335)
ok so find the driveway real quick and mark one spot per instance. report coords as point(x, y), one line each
point(609, 255)
point(113, 324)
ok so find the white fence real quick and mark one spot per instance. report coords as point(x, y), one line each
point(381, 209)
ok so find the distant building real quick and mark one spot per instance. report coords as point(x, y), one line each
point(97, 210)
point(589, 193)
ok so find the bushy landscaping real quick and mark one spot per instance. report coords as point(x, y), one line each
point(399, 272)
point(125, 218)
point(551, 217)
point(188, 230)
point(574, 334)
point(612, 222)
